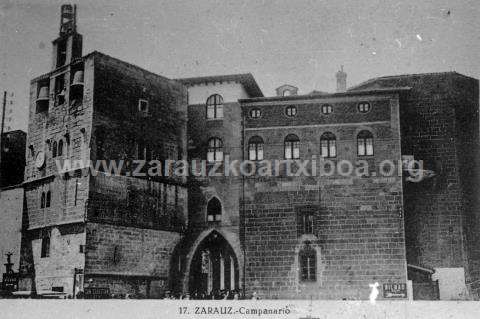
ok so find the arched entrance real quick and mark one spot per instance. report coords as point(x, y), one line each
point(214, 268)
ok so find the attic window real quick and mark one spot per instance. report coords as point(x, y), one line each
point(364, 107)
point(143, 106)
point(327, 109)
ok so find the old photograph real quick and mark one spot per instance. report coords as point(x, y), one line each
point(251, 159)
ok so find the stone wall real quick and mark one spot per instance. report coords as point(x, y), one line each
point(358, 232)
point(126, 254)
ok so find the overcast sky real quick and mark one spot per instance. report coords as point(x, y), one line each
point(302, 43)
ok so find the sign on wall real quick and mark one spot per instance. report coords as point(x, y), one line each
point(395, 290)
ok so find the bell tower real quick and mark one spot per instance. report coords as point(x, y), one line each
point(68, 46)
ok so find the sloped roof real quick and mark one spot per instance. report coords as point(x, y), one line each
point(246, 79)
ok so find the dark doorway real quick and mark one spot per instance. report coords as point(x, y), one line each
point(214, 268)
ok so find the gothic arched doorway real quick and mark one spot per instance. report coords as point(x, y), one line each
point(214, 268)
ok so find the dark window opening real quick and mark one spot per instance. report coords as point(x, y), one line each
point(60, 89)
point(61, 53)
point(42, 200)
point(306, 221)
point(48, 199)
point(60, 148)
point(143, 107)
point(214, 210)
point(45, 251)
point(308, 264)
point(57, 289)
point(54, 149)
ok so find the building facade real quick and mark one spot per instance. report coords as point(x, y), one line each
point(86, 228)
point(276, 235)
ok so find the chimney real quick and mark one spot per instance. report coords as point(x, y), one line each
point(341, 80)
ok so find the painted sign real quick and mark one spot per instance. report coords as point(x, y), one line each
point(395, 290)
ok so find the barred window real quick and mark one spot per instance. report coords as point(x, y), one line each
point(328, 145)
point(215, 107)
point(308, 263)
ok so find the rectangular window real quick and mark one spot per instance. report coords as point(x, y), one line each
point(60, 89)
point(45, 252)
point(369, 147)
point(361, 148)
point(288, 151)
point(324, 146)
point(219, 111)
point(82, 249)
point(211, 111)
point(306, 221)
point(308, 266)
point(143, 107)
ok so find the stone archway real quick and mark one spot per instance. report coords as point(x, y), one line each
point(214, 263)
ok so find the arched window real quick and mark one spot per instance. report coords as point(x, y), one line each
point(365, 143)
point(291, 111)
point(364, 107)
point(60, 148)
point(48, 199)
point(255, 113)
point(327, 109)
point(42, 200)
point(292, 147)
point(215, 150)
point(215, 107)
point(255, 148)
point(214, 210)
point(308, 263)
point(54, 149)
point(328, 145)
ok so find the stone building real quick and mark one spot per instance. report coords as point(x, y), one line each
point(280, 236)
point(93, 229)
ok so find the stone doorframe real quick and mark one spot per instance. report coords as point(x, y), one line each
point(234, 242)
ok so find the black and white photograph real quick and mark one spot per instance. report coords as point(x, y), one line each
point(239, 159)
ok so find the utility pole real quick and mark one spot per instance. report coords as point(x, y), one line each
point(1, 132)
